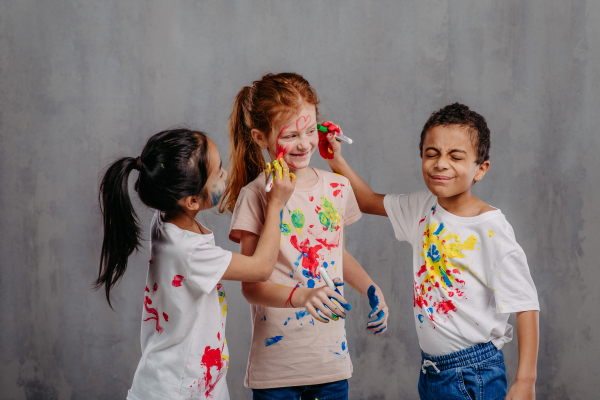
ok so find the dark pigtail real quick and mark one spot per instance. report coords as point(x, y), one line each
point(121, 226)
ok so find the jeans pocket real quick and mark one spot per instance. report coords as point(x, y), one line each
point(468, 383)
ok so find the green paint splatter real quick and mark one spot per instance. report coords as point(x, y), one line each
point(286, 229)
point(329, 217)
point(298, 218)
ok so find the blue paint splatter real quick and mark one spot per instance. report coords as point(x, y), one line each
point(421, 318)
point(445, 276)
point(301, 314)
point(273, 340)
point(333, 262)
point(433, 253)
point(310, 283)
point(343, 346)
point(440, 229)
point(374, 302)
point(297, 263)
point(430, 309)
point(264, 318)
point(312, 321)
point(285, 323)
point(325, 264)
point(306, 273)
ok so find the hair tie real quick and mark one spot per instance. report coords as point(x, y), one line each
point(138, 163)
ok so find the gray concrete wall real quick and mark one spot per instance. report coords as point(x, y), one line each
point(82, 82)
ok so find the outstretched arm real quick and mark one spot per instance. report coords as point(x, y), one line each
point(528, 333)
point(368, 201)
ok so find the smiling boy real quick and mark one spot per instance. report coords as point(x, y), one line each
point(469, 272)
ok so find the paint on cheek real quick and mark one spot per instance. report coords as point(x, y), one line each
point(216, 192)
point(281, 150)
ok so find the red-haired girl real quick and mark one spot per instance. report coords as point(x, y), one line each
point(291, 355)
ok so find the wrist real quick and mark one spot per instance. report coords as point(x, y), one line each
point(336, 163)
point(300, 297)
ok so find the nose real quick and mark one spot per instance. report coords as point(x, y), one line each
point(303, 143)
point(441, 163)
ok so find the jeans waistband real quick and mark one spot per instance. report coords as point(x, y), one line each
point(462, 358)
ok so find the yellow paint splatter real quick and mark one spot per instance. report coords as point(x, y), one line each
point(491, 233)
point(438, 253)
point(224, 309)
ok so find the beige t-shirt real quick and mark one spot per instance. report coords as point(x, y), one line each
point(290, 348)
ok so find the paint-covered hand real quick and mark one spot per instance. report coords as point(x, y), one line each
point(378, 309)
point(327, 143)
point(319, 303)
point(522, 390)
point(283, 184)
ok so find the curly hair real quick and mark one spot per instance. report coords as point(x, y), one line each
point(459, 114)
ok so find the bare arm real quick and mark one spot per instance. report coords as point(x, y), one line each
point(368, 201)
point(528, 332)
point(271, 294)
point(258, 266)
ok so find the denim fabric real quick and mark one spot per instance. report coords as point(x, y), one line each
point(474, 373)
point(325, 391)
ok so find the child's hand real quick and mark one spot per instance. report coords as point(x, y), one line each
point(379, 309)
point(329, 148)
point(522, 390)
point(318, 302)
point(283, 183)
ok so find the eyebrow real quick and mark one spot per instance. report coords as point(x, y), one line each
point(457, 151)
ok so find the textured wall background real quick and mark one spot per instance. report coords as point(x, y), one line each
point(82, 82)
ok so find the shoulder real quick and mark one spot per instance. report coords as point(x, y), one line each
point(414, 200)
point(257, 186)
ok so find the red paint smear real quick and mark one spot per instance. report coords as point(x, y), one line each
point(177, 279)
point(155, 287)
point(424, 218)
point(459, 281)
point(329, 246)
point(219, 335)
point(423, 269)
point(211, 358)
point(418, 299)
point(310, 261)
point(445, 306)
point(334, 185)
point(311, 198)
point(166, 317)
point(280, 150)
point(147, 290)
point(325, 149)
point(311, 226)
point(336, 192)
point(153, 312)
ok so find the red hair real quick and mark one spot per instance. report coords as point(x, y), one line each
point(272, 100)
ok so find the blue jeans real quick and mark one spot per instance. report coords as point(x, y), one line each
point(324, 391)
point(474, 373)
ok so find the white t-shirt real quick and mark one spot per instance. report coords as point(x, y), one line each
point(184, 351)
point(469, 273)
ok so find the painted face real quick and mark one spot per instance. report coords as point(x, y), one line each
point(217, 177)
point(297, 139)
point(449, 161)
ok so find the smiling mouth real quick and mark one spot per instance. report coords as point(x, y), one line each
point(299, 154)
point(441, 178)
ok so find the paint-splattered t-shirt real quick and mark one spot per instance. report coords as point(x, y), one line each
point(469, 273)
point(184, 351)
point(289, 347)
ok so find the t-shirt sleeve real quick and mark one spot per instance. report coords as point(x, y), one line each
point(514, 290)
point(352, 211)
point(248, 215)
point(397, 209)
point(207, 264)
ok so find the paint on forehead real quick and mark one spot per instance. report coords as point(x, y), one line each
point(303, 121)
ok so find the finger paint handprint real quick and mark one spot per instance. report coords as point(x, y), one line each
point(324, 146)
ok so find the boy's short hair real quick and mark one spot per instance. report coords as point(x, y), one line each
point(459, 114)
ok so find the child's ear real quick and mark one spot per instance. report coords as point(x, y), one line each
point(260, 138)
point(192, 203)
point(481, 170)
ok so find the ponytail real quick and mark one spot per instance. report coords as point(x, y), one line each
point(273, 99)
point(121, 225)
point(173, 165)
point(245, 156)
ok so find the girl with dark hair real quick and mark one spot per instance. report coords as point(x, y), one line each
point(184, 352)
point(293, 355)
